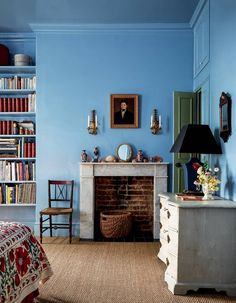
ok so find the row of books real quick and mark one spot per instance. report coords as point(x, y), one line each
point(17, 147)
point(18, 82)
point(17, 170)
point(18, 193)
point(29, 150)
point(27, 104)
point(10, 127)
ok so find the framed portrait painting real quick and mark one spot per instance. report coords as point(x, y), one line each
point(124, 111)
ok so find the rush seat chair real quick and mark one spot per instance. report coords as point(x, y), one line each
point(59, 193)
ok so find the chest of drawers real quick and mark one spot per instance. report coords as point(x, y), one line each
point(198, 244)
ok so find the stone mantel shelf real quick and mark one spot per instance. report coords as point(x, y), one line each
point(124, 163)
point(90, 170)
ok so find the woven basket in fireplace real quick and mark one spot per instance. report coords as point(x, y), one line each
point(115, 224)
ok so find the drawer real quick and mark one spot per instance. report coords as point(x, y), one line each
point(171, 263)
point(173, 216)
point(172, 240)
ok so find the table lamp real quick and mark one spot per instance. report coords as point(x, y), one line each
point(194, 139)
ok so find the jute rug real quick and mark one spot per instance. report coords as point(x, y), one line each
point(111, 272)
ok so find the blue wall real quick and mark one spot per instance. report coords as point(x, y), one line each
point(77, 72)
point(223, 78)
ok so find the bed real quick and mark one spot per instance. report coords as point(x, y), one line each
point(23, 264)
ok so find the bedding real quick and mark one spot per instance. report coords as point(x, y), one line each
point(23, 263)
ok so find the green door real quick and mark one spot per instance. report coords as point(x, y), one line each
point(186, 111)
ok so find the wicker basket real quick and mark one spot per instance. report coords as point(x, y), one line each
point(115, 224)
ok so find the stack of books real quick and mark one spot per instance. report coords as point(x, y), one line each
point(9, 148)
point(190, 196)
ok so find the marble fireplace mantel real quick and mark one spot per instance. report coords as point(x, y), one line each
point(89, 170)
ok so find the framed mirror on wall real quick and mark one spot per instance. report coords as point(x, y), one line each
point(225, 116)
point(124, 152)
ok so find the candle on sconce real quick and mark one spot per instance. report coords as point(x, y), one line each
point(160, 121)
point(92, 122)
point(96, 120)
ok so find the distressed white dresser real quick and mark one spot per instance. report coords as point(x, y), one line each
point(198, 244)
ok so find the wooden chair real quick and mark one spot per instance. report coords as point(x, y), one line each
point(59, 192)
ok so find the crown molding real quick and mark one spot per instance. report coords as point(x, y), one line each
point(17, 36)
point(38, 28)
point(197, 12)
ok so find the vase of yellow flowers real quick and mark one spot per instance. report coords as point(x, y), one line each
point(207, 179)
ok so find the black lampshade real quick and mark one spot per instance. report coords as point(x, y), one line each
point(196, 138)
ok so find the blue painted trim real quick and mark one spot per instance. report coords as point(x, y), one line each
point(197, 12)
point(17, 36)
point(108, 27)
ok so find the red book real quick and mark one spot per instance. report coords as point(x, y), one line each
point(33, 152)
point(26, 104)
point(8, 127)
point(18, 82)
point(1, 127)
point(17, 104)
point(4, 104)
point(21, 104)
point(9, 105)
point(4, 127)
point(29, 149)
point(1, 104)
point(25, 153)
point(13, 107)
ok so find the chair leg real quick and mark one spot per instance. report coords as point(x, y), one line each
point(70, 228)
point(41, 228)
point(50, 222)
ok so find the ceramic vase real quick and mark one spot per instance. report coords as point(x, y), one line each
point(207, 192)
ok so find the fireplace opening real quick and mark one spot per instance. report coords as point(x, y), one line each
point(132, 194)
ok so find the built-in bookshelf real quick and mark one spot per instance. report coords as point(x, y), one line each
point(17, 135)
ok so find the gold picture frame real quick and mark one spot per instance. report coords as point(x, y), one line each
point(124, 111)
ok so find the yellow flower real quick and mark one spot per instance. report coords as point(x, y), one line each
point(207, 177)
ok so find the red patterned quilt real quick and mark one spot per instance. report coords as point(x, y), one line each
point(23, 262)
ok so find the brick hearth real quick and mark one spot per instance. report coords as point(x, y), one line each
point(134, 194)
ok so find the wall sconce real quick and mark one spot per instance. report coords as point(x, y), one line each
point(155, 122)
point(92, 123)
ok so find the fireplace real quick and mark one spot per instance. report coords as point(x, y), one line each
point(133, 194)
point(131, 180)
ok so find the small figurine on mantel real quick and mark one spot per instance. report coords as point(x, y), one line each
point(84, 156)
point(96, 154)
point(139, 157)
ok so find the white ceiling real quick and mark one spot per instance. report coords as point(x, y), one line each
point(16, 15)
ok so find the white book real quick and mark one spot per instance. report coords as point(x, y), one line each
point(13, 171)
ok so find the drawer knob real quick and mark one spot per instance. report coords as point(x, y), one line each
point(168, 214)
point(167, 262)
point(165, 231)
point(168, 238)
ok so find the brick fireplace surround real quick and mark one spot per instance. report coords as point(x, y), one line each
point(92, 174)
